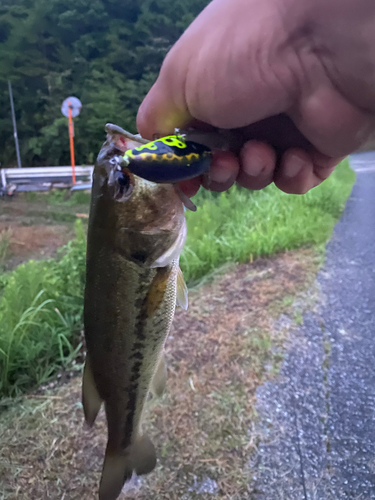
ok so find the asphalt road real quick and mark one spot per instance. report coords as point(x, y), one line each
point(318, 418)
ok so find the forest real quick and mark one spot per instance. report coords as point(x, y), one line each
point(106, 53)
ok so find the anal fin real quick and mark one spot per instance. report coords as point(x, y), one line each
point(159, 380)
point(91, 400)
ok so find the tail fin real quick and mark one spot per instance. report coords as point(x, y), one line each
point(140, 458)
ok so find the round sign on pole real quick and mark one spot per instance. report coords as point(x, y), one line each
point(71, 108)
point(75, 106)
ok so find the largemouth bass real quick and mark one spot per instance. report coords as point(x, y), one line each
point(136, 233)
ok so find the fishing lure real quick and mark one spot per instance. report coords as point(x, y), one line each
point(168, 160)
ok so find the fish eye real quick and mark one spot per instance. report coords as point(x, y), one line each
point(123, 186)
point(122, 179)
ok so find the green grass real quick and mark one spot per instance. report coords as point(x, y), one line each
point(41, 302)
point(5, 237)
point(59, 197)
point(41, 317)
point(240, 225)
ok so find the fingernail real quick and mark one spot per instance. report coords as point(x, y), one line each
point(221, 168)
point(253, 165)
point(220, 175)
point(293, 165)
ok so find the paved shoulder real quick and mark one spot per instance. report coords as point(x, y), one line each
point(318, 419)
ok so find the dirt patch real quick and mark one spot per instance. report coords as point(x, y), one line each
point(218, 353)
point(21, 243)
point(35, 229)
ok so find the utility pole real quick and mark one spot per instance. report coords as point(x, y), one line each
point(14, 125)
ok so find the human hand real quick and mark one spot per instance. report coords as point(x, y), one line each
point(296, 77)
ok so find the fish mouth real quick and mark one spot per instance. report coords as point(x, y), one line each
point(113, 130)
point(108, 151)
point(117, 142)
point(119, 180)
point(110, 158)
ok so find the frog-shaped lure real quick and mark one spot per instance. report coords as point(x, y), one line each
point(170, 159)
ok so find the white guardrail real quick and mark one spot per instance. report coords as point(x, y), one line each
point(44, 178)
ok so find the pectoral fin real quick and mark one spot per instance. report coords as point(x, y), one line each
point(182, 291)
point(174, 251)
point(91, 400)
point(159, 380)
point(157, 289)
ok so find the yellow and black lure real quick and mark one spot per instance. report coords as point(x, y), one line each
point(169, 159)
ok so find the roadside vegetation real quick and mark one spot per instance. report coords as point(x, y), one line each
point(41, 301)
point(4, 246)
point(59, 197)
point(40, 315)
point(240, 225)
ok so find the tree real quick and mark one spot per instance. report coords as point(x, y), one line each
point(106, 53)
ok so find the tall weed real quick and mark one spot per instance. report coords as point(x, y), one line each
point(41, 317)
point(5, 237)
point(239, 225)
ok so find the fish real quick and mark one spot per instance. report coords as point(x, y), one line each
point(136, 233)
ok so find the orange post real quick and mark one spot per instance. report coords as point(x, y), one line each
point(71, 139)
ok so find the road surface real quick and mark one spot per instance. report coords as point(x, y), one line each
point(318, 418)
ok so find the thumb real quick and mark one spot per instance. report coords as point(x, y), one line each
point(162, 111)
